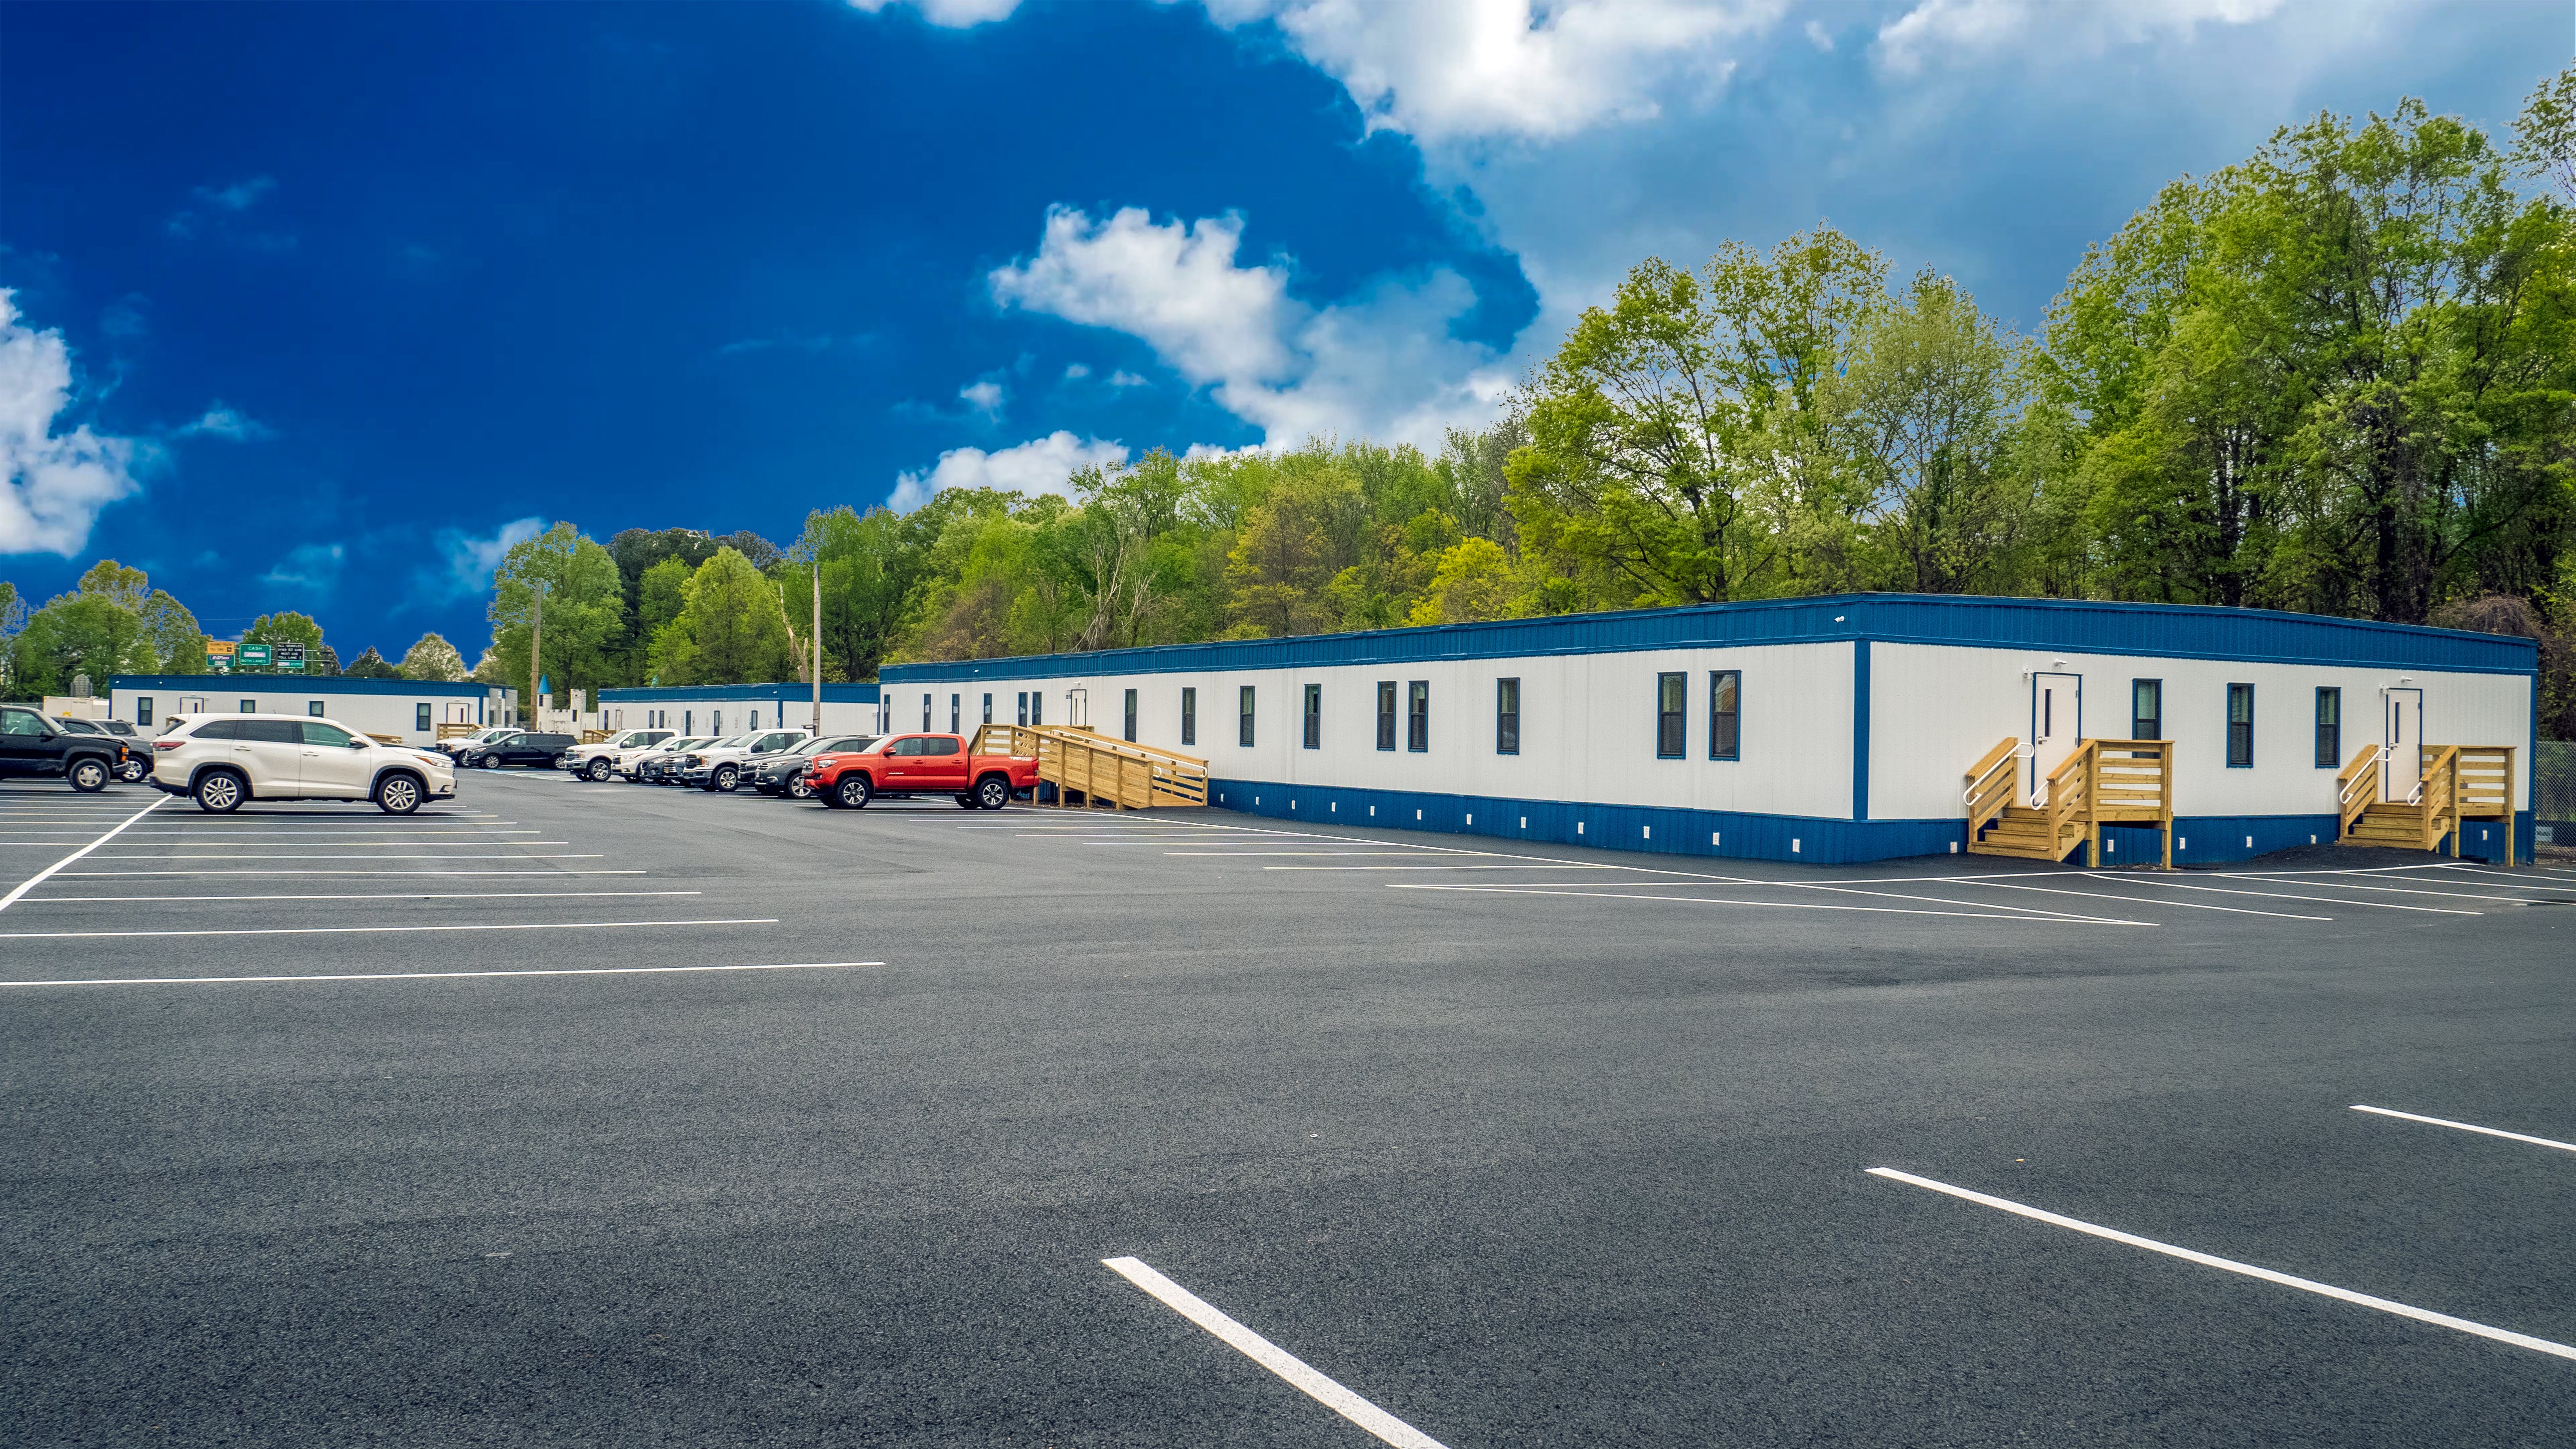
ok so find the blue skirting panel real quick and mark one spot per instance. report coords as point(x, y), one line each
point(2203, 840)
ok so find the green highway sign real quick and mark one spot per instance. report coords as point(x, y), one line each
point(252, 656)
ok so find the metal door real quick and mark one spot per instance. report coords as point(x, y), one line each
point(2402, 767)
point(2056, 722)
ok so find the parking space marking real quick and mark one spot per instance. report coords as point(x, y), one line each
point(592, 855)
point(2346, 885)
point(2063, 918)
point(2467, 1127)
point(446, 975)
point(371, 930)
point(2281, 895)
point(1993, 884)
point(2209, 1260)
point(1271, 1356)
point(40, 877)
point(390, 896)
point(308, 873)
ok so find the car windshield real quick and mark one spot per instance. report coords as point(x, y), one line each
point(734, 743)
point(79, 726)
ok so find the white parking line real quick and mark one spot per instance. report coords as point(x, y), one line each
point(2307, 1285)
point(2348, 885)
point(2467, 1127)
point(444, 975)
point(141, 874)
point(40, 877)
point(2282, 895)
point(390, 896)
point(369, 930)
point(1974, 915)
point(1271, 1356)
point(1993, 884)
point(335, 855)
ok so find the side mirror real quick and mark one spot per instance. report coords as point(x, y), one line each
point(360, 742)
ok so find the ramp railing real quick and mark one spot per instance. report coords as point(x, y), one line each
point(1103, 771)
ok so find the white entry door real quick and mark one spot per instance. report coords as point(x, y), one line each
point(2056, 722)
point(2404, 733)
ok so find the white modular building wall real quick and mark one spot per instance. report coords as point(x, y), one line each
point(1860, 715)
point(732, 709)
point(1971, 698)
point(385, 707)
point(1587, 726)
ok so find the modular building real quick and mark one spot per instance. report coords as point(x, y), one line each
point(1833, 729)
point(716, 709)
point(408, 709)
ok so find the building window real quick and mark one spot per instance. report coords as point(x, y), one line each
point(1024, 706)
point(2329, 728)
point(1131, 716)
point(1725, 714)
point(420, 719)
point(755, 719)
point(313, 707)
point(143, 709)
point(1190, 715)
point(1671, 695)
point(1417, 715)
point(956, 715)
point(1037, 706)
point(1386, 714)
point(1243, 725)
point(250, 706)
point(715, 722)
point(688, 722)
point(1314, 716)
point(925, 715)
point(2240, 726)
point(988, 709)
point(2146, 709)
point(1507, 716)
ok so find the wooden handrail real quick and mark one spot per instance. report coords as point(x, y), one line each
point(1990, 785)
point(2357, 788)
point(1119, 772)
point(2071, 801)
point(2441, 796)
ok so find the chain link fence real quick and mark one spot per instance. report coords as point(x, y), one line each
point(2553, 779)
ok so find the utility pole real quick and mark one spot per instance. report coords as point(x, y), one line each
point(536, 633)
point(818, 646)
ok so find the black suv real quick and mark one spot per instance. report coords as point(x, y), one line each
point(782, 772)
point(531, 751)
point(34, 746)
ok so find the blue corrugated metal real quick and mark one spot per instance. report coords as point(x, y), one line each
point(2199, 840)
point(2178, 631)
point(748, 693)
point(325, 684)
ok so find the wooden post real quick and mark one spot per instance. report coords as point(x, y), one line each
point(2508, 808)
point(2164, 802)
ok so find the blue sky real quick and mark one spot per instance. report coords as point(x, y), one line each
point(316, 307)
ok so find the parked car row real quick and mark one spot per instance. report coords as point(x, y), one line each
point(86, 753)
point(843, 771)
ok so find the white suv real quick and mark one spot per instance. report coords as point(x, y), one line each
point(223, 759)
point(615, 755)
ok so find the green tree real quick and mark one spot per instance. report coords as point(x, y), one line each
point(584, 611)
point(729, 630)
point(432, 657)
point(371, 665)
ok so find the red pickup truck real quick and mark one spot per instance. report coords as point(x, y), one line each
point(919, 765)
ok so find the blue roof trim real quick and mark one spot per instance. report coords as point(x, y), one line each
point(728, 693)
point(2171, 631)
point(295, 684)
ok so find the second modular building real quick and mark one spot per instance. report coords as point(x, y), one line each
point(1825, 730)
point(720, 709)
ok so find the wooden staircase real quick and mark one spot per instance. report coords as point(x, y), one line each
point(2458, 783)
point(1103, 771)
point(2101, 782)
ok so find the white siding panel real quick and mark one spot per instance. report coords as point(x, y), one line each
point(1936, 709)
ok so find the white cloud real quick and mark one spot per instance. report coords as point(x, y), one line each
point(1382, 364)
point(228, 424)
point(471, 558)
point(240, 196)
point(56, 483)
point(984, 397)
point(1040, 465)
point(1076, 371)
point(2084, 26)
point(954, 14)
point(1449, 69)
point(1123, 378)
point(311, 569)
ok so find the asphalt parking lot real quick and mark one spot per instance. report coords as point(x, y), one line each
point(605, 1114)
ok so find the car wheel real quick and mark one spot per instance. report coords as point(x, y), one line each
point(88, 775)
point(133, 771)
point(726, 778)
point(798, 790)
point(993, 792)
point(488, 762)
point(220, 792)
point(398, 794)
point(599, 772)
point(853, 792)
point(966, 801)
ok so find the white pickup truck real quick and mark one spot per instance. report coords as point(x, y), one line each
point(615, 755)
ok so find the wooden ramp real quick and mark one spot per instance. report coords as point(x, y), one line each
point(2101, 782)
point(1104, 772)
point(2459, 783)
